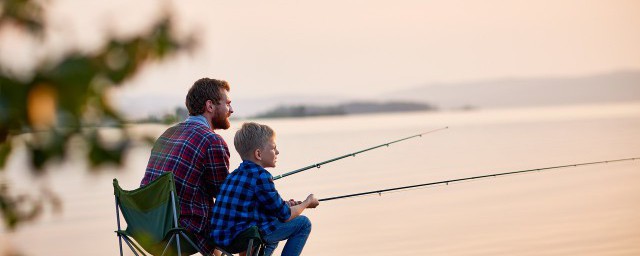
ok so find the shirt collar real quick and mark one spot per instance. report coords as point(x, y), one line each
point(249, 163)
point(198, 119)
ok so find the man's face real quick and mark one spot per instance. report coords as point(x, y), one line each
point(222, 112)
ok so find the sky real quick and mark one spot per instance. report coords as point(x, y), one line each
point(359, 48)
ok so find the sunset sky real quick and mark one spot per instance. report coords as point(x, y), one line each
point(364, 47)
point(274, 51)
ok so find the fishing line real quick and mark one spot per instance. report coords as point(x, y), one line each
point(447, 182)
point(317, 165)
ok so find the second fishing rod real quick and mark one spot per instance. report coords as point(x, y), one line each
point(317, 165)
point(493, 175)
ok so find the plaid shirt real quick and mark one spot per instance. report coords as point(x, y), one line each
point(247, 198)
point(199, 160)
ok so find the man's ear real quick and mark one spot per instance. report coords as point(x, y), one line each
point(209, 106)
point(257, 154)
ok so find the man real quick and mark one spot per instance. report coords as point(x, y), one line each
point(197, 156)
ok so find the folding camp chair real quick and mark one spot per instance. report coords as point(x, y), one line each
point(151, 214)
point(249, 241)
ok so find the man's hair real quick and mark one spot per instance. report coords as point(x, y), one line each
point(252, 136)
point(202, 90)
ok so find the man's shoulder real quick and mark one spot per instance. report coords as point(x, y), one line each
point(198, 131)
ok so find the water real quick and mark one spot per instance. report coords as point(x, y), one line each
point(591, 210)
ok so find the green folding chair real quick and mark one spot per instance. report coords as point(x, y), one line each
point(151, 214)
point(249, 241)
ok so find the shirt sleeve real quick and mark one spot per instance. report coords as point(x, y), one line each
point(270, 199)
point(217, 165)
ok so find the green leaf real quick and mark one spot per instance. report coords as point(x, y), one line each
point(5, 149)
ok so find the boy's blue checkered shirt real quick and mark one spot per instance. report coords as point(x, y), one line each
point(247, 198)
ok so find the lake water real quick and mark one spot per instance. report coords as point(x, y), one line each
point(591, 210)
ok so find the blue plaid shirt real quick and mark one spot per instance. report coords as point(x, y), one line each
point(247, 198)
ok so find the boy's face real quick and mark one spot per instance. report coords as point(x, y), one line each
point(269, 154)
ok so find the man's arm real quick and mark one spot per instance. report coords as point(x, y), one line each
point(217, 165)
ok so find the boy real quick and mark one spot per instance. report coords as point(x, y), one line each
point(248, 197)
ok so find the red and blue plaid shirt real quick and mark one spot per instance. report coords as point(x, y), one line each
point(247, 198)
point(199, 160)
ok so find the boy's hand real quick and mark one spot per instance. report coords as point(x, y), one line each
point(292, 202)
point(312, 201)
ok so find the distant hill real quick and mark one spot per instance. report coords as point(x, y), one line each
point(622, 86)
point(517, 92)
point(343, 109)
point(613, 87)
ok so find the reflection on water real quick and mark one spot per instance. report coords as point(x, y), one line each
point(574, 211)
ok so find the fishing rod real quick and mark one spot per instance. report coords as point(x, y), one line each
point(379, 192)
point(352, 154)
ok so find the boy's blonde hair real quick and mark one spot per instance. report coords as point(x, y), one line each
point(252, 136)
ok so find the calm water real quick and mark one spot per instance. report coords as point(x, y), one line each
point(573, 211)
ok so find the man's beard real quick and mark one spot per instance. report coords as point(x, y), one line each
point(220, 122)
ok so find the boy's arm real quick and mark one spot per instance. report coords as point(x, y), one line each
point(269, 199)
point(296, 210)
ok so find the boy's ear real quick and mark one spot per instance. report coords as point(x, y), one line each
point(257, 154)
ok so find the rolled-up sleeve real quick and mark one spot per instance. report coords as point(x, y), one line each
point(269, 198)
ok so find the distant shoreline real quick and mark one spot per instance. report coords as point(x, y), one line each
point(351, 108)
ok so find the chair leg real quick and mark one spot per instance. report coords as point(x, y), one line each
point(186, 238)
point(178, 243)
point(120, 244)
point(175, 220)
point(118, 221)
point(250, 248)
point(260, 250)
point(128, 242)
point(168, 244)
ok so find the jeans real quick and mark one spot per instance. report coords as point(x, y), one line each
point(296, 232)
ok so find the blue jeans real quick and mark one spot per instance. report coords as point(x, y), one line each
point(296, 232)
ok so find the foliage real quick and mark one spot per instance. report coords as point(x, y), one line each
point(67, 98)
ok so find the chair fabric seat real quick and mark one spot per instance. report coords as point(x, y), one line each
point(240, 242)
